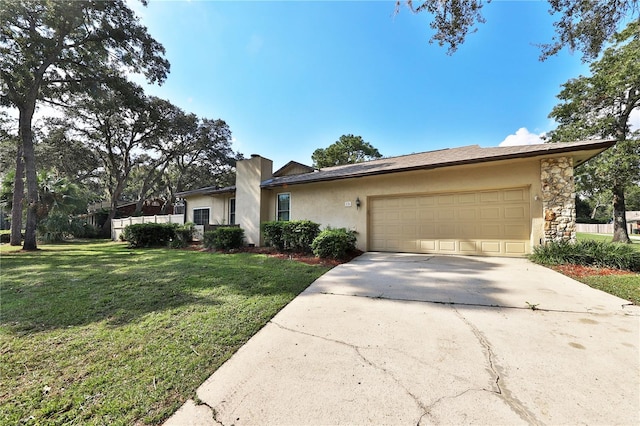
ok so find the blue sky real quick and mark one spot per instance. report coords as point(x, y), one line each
point(292, 76)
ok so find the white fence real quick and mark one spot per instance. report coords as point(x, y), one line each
point(118, 225)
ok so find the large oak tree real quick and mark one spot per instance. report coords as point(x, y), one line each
point(599, 106)
point(52, 49)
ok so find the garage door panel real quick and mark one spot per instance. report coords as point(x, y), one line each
point(516, 231)
point(467, 214)
point(489, 213)
point(489, 197)
point(490, 247)
point(514, 212)
point(427, 201)
point(427, 230)
point(447, 246)
point(515, 195)
point(424, 215)
point(490, 230)
point(446, 230)
point(515, 247)
point(495, 222)
point(468, 246)
point(446, 213)
point(446, 200)
point(467, 198)
point(427, 245)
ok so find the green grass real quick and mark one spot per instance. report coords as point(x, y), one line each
point(624, 286)
point(95, 333)
point(580, 236)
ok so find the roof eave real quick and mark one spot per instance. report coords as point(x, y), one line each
point(596, 148)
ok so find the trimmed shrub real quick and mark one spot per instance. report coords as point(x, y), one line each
point(273, 233)
point(224, 238)
point(149, 234)
point(5, 238)
point(334, 243)
point(589, 253)
point(294, 235)
point(184, 235)
point(299, 235)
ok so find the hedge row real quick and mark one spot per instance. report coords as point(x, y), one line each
point(300, 236)
point(158, 234)
point(304, 236)
point(294, 235)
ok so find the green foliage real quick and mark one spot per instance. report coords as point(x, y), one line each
point(600, 106)
point(149, 234)
point(293, 235)
point(589, 253)
point(58, 226)
point(54, 50)
point(224, 238)
point(184, 235)
point(273, 233)
point(334, 243)
point(299, 234)
point(580, 25)
point(349, 149)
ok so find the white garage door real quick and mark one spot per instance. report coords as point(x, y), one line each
point(495, 222)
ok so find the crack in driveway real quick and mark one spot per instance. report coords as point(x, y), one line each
point(357, 349)
point(501, 389)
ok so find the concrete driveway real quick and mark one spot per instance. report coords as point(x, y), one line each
point(416, 339)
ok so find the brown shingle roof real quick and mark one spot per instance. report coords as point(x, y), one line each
point(471, 154)
point(209, 190)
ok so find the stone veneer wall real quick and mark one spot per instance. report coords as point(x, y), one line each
point(558, 199)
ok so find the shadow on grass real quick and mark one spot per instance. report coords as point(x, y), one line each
point(77, 284)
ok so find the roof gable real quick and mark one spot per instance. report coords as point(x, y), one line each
point(293, 168)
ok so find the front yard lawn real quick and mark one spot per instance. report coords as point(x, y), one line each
point(623, 285)
point(96, 333)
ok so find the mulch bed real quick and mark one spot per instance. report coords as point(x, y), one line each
point(581, 271)
point(309, 259)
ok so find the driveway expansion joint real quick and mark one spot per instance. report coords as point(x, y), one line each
point(381, 296)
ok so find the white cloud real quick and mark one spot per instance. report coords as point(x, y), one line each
point(522, 137)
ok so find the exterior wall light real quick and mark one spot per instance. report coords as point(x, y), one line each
point(358, 203)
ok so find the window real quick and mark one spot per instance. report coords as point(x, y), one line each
point(284, 206)
point(232, 211)
point(201, 216)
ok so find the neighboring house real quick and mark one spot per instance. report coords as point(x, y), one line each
point(97, 212)
point(498, 201)
point(633, 220)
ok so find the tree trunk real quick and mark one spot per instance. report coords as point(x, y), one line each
point(595, 210)
point(26, 136)
point(114, 206)
point(18, 197)
point(620, 233)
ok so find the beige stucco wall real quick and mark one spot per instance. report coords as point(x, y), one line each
point(251, 202)
point(218, 206)
point(324, 202)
